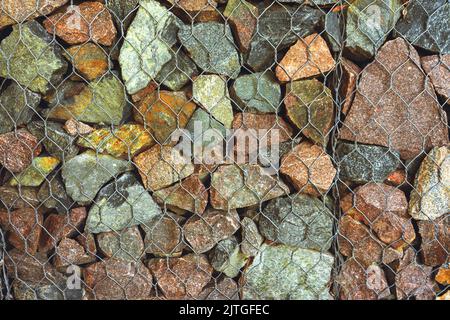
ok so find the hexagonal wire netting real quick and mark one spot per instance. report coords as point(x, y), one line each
point(214, 149)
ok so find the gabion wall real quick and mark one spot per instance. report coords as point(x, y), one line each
point(214, 149)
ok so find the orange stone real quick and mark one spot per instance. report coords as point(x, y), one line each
point(443, 276)
point(89, 59)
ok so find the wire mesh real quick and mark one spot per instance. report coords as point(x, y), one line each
point(240, 149)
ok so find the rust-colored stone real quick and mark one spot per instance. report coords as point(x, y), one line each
point(438, 69)
point(29, 268)
point(397, 178)
point(70, 252)
point(89, 59)
point(17, 150)
point(443, 275)
point(242, 16)
point(164, 236)
point(435, 240)
point(347, 89)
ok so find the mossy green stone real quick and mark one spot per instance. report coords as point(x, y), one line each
point(35, 174)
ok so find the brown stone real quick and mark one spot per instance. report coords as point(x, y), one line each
point(309, 168)
point(242, 16)
point(126, 244)
point(29, 268)
point(87, 240)
point(225, 289)
point(199, 10)
point(17, 150)
point(164, 236)
point(88, 21)
point(181, 278)
point(435, 240)
point(74, 128)
point(141, 94)
point(395, 106)
point(189, 194)
point(70, 252)
point(24, 228)
point(397, 178)
point(347, 89)
point(204, 232)
point(58, 226)
point(114, 279)
point(89, 59)
point(307, 58)
point(18, 198)
point(438, 69)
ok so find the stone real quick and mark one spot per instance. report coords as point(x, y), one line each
point(198, 10)
point(242, 15)
point(234, 186)
point(309, 169)
point(251, 238)
point(279, 27)
point(59, 226)
point(89, 60)
point(68, 253)
point(18, 198)
point(163, 112)
point(30, 57)
point(86, 173)
point(425, 25)
point(120, 204)
point(29, 268)
point(163, 235)
point(54, 138)
point(114, 279)
point(24, 228)
point(227, 257)
point(368, 25)
point(211, 92)
point(443, 275)
point(395, 106)
point(257, 92)
point(365, 163)
point(333, 30)
point(189, 194)
point(74, 127)
point(142, 58)
point(52, 194)
point(435, 240)
point(308, 57)
point(205, 231)
point(122, 11)
point(170, 164)
point(444, 297)
point(359, 283)
point(88, 21)
point(17, 150)
point(124, 141)
point(181, 278)
point(36, 173)
point(397, 178)
point(211, 46)
point(309, 105)
point(124, 245)
point(102, 101)
point(438, 70)
point(298, 221)
point(178, 72)
point(384, 209)
point(224, 289)
point(17, 107)
point(430, 198)
point(282, 272)
point(347, 89)
point(46, 291)
point(13, 11)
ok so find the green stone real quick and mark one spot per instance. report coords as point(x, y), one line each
point(178, 72)
point(227, 257)
point(35, 174)
point(205, 124)
point(125, 245)
point(30, 57)
point(52, 195)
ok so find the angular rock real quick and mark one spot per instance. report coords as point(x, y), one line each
point(251, 238)
point(309, 168)
point(46, 290)
point(227, 257)
point(17, 150)
point(438, 69)
point(163, 112)
point(282, 272)
point(30, 57)
point(36, 173)
point(74, 128)
point(257, 92)
point(162, 166)
point(120, 204)
point(394, 106)
point(178, 72)
point(198, 10)
point(114, 279)
point(242, 16)
point(29, 268)
point(89, 60)
point(124, 141)
point(309, 105)
point(347, 89)
point(365, 163)
point(181, 278)
point(163, 235)
point(234, 186)
point(435, 240)
point(205, 231)
point(17, 107)
point(443, 275)
point(69, 252)
point(430, 198)
point(224, 289)
point(52, 195)
point(309, 57)
point(332, 25)
point(88, 21)
point(425, 25)
point(122, 10)
point(298, 221)
point(211, 92)
point(86, 173)
point(210, 45)
point(18, 198)
point(124, 245)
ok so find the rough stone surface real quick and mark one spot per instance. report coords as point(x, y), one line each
point(46, 291)
point(443, 275)
point(394, 106)
point(224, 289)
point(347, 90)
point(438, 69)
point(17, 150)
point(36, 173)
point(205, 231)
point(18, 198)
point(178, 72)
point(86, 173)
point(282, 272)
point(164, 235)
point(242, 16)
point(435, 240)
point(124, 245)
point(251, 238)
point(74, 127)
point(299, 221)
point(69, 252)
point(52, 194)
point(122, 203)
point(227, 257)
point(90, 60)
point(29, 268)
point(430, 198)
point(88, 21)
point(309, 168)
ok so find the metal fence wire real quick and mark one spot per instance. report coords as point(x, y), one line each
point(214, 149)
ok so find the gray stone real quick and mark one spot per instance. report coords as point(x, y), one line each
point(251, 238)
point(203, 121)
point(178, 72)
point(300, 221)
point(122, 10)
point(124, 245)
point(164, 235)
point(85, 174)
point(333, 31)
point(227, 257)
point(52, 195)
point(44, 291)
